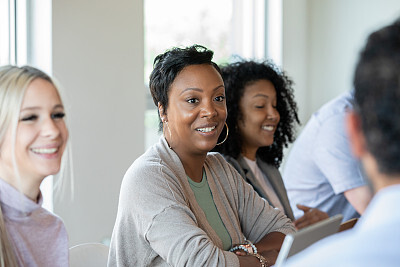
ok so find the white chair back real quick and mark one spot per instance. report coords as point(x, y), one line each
point(88, 255)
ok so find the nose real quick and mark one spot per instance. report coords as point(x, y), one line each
point(273, 114)
point(208, 109)
point(50, 128)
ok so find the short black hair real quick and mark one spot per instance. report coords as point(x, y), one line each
point(377, 96)
point(236, 77)
point(168, 65)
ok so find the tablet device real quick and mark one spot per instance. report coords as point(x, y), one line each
point(300, 240)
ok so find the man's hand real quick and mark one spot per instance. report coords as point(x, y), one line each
point(310, 216)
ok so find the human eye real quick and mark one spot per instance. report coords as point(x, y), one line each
point(192, 100)
point(259, 106)
point(58, 115)
point(30, 117)
point(220, 98)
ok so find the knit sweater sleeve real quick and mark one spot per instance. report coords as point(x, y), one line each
point(157, 225)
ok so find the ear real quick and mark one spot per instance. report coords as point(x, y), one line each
point(162, 112)
point(356, 136)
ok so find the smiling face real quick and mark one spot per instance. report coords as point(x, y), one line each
point(196, 110)
point(259, 116)
point(40, 138)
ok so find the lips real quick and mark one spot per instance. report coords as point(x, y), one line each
point(269, 128)
point(206, 129)
point(44, 150)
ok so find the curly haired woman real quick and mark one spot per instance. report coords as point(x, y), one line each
point(262, 114)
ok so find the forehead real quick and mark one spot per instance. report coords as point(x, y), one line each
point(202, 76)
point(39, 93)
point(259, 88)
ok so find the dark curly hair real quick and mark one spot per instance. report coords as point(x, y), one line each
point(169, 64)
point(236, 77)
point(377, 96)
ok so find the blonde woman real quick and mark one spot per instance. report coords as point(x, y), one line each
point(33, 137)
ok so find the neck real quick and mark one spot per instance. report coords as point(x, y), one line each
point(385, 181)
point(29, 186)
point(193, 165)
point(379, 180)
point(249, 153)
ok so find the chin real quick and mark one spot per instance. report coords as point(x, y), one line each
point(51, 171)
point(205, 148)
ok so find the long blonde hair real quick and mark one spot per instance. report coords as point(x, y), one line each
point(13, 84)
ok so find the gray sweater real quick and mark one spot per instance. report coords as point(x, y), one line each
point(159, 222)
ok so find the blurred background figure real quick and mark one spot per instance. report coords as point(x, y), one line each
point(262, 115)
point(374, 133)
point(321, 171)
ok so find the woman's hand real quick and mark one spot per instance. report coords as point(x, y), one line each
point(310, 216)
point(249, 260)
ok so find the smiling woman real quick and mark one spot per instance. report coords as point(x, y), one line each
point(181, 205)
point(33, 137)
point(262, 115)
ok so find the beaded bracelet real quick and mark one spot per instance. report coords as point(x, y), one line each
point(251, 249)
point(247, 247)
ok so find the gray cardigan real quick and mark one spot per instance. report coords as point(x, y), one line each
point(159, 222)
point(273, 175)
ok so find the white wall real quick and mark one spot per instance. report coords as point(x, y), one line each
point(98, 58)
point(322, 39)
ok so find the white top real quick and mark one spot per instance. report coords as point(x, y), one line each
point(263, 180)
point(374, 240)
point(38, 236)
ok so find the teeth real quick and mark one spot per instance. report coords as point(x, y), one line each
point(268, 128)
point(44, 150)
point(206, 130)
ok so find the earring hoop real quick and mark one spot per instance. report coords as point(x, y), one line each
point(226, 136)
point(166, 125)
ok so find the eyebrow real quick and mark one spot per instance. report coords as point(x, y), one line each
point(200, 90)
point(260, 95)
point(36, 108)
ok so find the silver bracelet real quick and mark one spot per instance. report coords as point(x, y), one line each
point(262, 260)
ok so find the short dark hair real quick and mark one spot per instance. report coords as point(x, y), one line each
point(168, 65)
point(236, 77)
point(377, 96)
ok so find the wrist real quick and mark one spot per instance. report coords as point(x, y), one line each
point(251, 249)
point(263, 261)
point(247, 247)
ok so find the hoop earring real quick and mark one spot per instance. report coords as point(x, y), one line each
point(170, 135)
point(226, 136)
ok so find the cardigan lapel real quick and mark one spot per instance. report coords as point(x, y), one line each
point(250, 178)
point(176, 165)
point(275, 178)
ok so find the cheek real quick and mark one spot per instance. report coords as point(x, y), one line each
point(242, 128)
point(64, 132)
point(223, 112)
point(25, 136)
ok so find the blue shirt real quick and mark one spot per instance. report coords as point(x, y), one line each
point(321, 167)
point(374, 240)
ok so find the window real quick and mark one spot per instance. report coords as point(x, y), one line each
point(228, 27)
point(7, 32)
